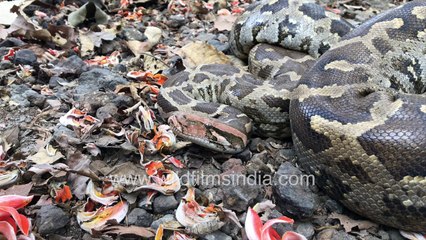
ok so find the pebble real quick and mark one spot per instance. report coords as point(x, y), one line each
point(55, 81)
point(35, 98)
point(73, 65)
point(241, 194)
point(111, 46)
point(106, 111)
point(164, 219)
point(215, 195)
point(333, 234)
point(280, 228)
point(140, 217)
point(25, 57)
point(216, 235)
point(233, 166)
point(293, 194)
point(6, 65)
point(333, 206)
point(395, 235)
point(306, 229)
point(50, 219)
point(12, 42)
point(164, 203)
point(176, 21)
point(257, 166)
point(133, 34)
point(98, 79)
point(17, 95)
point(123, 101)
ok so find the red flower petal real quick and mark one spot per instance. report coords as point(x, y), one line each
point(290, 235)
point(22, 221)
point(7, 230)
point(267, 234)
point(15, 201)
point(253, 225)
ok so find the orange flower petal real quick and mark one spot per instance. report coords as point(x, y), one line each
point(63, 194)
point(159, 233)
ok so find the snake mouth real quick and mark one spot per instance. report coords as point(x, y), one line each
point(208, 132)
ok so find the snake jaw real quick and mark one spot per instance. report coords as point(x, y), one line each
point(208, 132)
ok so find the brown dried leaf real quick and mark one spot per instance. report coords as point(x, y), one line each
point(78, 162)
point(46, 155)
point(198, 53)
point(22, 190)
point(6, 16)
point(349, 223)
point(224, 22)
point(130, 230)
point(138, 47)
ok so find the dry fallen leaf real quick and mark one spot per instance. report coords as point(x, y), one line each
point(224, 22)
point(7, 17)
point(47, 155)
point(138, 47)
point(349, 223)
point(198, 53)
point(22, 190)
point(130, 230)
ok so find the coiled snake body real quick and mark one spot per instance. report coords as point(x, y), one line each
point(357, 113)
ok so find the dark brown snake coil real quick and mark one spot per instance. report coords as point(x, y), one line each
point(358, 115)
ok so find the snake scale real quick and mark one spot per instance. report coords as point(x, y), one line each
point(354, 102)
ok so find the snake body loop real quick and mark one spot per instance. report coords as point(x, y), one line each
point(357, 114)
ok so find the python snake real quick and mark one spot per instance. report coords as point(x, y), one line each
point(355, 107)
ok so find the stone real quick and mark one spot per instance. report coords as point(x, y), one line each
point(257, 166)
point(216, 235)
point(245, 155)
point(140, 217)
point(395, 235)
point(55, 81)
point(5, 64)
point(106, 111)
point(280, 228)
point(176, 21)
point(50, 219)
point(333, 206)
point(164, 203)
point(241, 193)
point(214, 195)
point(17, 95)
point(292, 191)
point(25, 57)
point(35, 98)
point(133, 34)
point(164, 219)
point(73, 65)
point(333, 234)
point(306, 229)
point(233, 166)
point(98, 79)
point(12, 42)
point(123, 101)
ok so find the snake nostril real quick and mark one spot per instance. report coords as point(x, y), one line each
point(366, 92)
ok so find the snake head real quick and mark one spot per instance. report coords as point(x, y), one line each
point(208, 132)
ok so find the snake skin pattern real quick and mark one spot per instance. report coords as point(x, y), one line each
point(357, 113)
